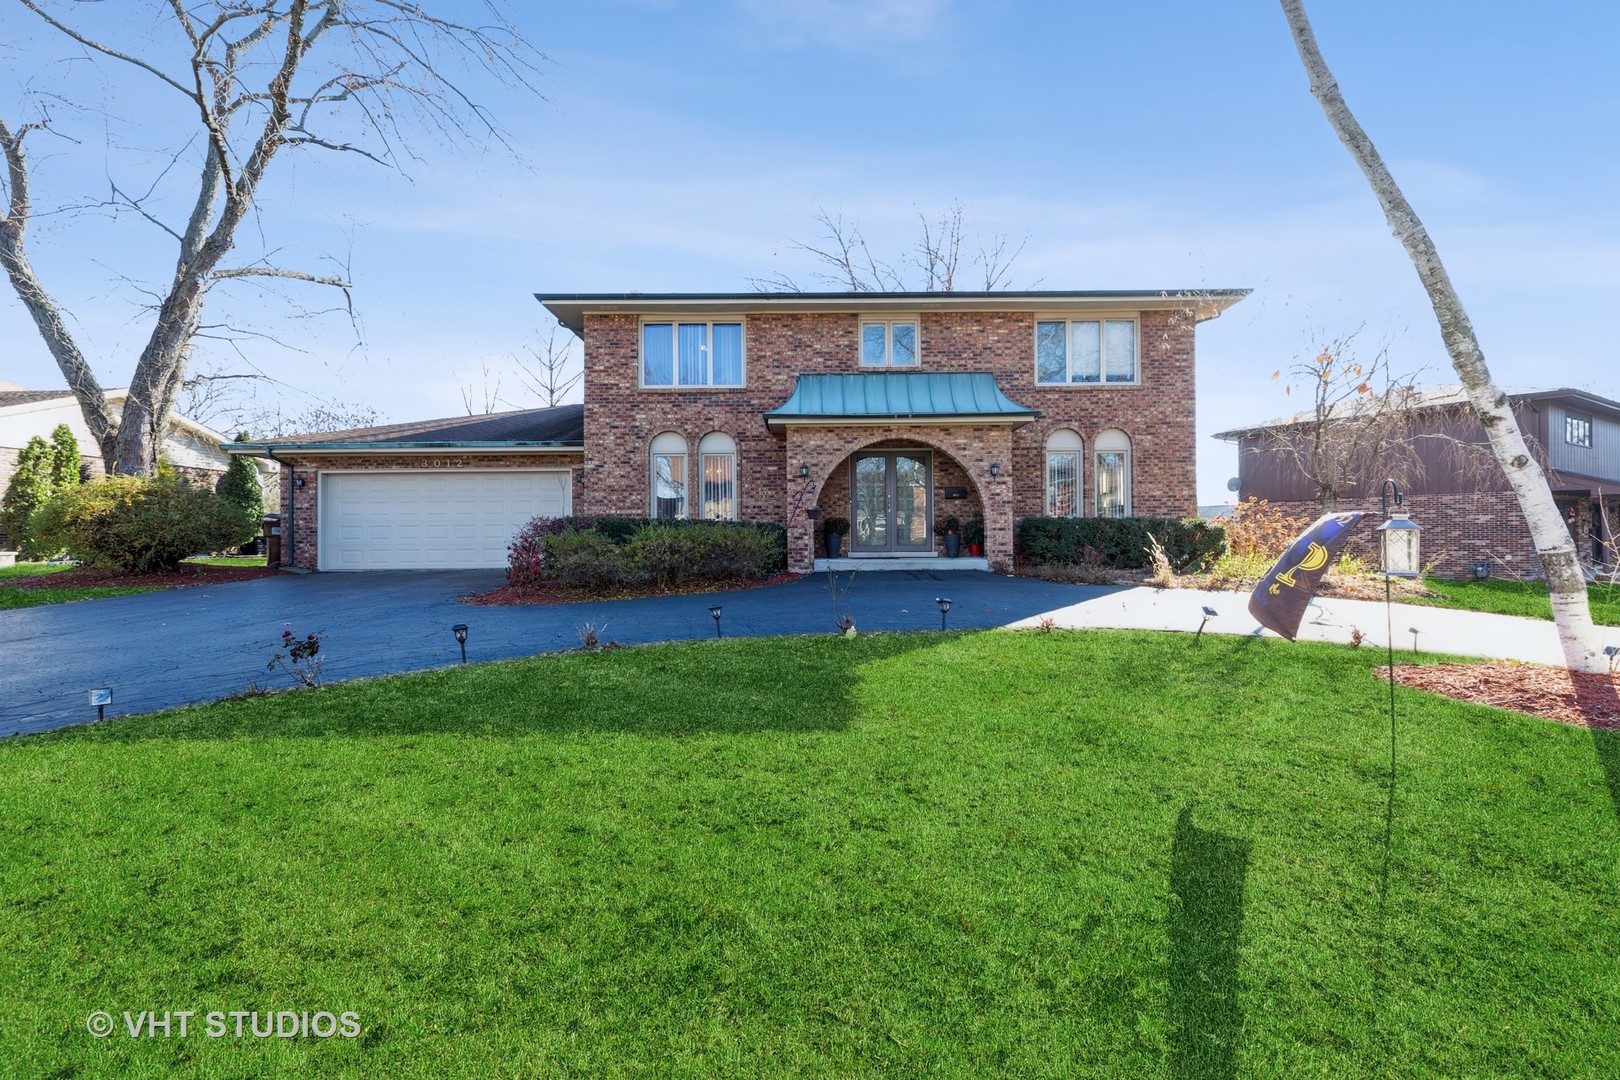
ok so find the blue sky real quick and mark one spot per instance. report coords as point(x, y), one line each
point(684, 146)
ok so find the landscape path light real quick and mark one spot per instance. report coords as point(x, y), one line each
point(1209, 613)
point(944, 606)
point(460, 630)
point(714, 613)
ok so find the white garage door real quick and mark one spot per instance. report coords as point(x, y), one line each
point(410, 519)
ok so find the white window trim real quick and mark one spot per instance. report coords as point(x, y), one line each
point(1098, 448)
point(888, 323)
point(1079, 452)
point(685, 479)
point(675, 322)
point(1068, 320)
point(736, 480)
point(1582, 418)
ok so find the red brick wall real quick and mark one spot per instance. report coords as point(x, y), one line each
point(1458, 529)
point(621, 419)
point(298, 504)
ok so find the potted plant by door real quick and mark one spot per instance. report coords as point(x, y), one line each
point(951, 530)
point(835, 528)
point(973, 535)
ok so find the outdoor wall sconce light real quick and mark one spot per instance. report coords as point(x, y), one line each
point(1397, 538)
point(460, 630)
point(101, 698)
point(944, 606)
point(995, 468)
point(804, 471)
point(299, 482)
point(1209, 613)
point(714, 613)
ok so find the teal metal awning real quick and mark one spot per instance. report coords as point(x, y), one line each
point(926, 397)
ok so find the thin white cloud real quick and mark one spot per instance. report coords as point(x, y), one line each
point(853, 25)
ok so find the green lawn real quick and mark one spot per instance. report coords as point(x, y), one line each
point(1528, 598)
point(11, 597)
point(1094, 854)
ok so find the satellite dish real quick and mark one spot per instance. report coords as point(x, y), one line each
point(1233, 484)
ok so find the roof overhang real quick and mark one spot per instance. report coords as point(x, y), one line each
point(270, 450)
point(777, 423)
point(571, 308)
point(890, 397)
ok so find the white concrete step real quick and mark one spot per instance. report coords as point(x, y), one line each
point(966, 562)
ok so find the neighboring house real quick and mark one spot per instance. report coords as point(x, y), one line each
point(893, 410)
point(1454, 487)
point(190, 447)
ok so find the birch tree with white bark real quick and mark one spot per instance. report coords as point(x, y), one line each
point(1566, 580)
point(255, 81)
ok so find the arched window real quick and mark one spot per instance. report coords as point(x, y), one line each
point(1113, 473)
point(668, 476)
point(1063, 451)
point(717, 465)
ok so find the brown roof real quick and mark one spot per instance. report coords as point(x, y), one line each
point(28, 397)
point(561, 424)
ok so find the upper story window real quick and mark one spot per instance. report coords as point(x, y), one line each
point(691, 354)
point(1578, 430)
point(1085, 351)
point(888, 343)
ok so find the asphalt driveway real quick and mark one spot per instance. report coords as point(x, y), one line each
point(159, 650)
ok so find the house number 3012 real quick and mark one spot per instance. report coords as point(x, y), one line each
point(439, 463)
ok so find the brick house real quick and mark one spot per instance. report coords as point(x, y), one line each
point(1452, 484)
point(891, 410)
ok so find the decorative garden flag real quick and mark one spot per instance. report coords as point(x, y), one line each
point(1279, 600)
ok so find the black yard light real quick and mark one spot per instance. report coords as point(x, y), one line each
point(944, 606)
point(714, 613)
point(1209, 613)
point(1414, 632)
point(460, 630)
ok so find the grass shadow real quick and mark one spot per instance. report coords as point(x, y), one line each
point(1207, 874)
point(741, 686)
point(1596, 696)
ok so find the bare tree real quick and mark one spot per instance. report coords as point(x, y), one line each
point(1566, 582)
point(1355, 426)
point(932, 265)
point(483, 397)
point(255, 77)
point(275, 422)
point(552, 368)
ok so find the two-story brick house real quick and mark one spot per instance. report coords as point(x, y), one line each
point(892, 410)
point(1453, 485)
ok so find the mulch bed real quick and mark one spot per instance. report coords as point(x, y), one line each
point(553, 593)
point(1550, 692)
point(188, 575)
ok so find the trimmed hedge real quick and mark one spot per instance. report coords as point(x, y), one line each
point(138, 524)
point(1190, 543)
point(601, 551)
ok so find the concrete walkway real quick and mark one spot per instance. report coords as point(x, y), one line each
point(160, 650)
point(1439, 630)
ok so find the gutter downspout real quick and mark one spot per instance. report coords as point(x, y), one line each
point(292, 507)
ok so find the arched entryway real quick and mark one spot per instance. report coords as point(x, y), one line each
point(893, 492)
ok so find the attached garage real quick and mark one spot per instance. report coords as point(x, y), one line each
point(425, 519)
point(431, 495)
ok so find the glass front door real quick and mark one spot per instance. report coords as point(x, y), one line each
point(891, 511)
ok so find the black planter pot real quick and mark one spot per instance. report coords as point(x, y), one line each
point(953, 545)
point(834, 543)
